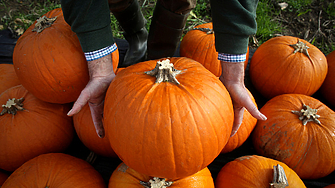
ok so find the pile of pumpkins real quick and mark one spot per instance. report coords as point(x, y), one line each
point(166, 119)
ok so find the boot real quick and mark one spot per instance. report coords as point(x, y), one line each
point(165, 32)
point(133, 23)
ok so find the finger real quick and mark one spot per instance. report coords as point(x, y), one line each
point(96, 113)
point(253, 110)
point(238, 118)
point(80, 103)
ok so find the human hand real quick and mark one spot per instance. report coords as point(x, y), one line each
point(101, 74)
point(233, 78)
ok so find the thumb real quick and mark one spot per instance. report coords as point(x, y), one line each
point(80, 103)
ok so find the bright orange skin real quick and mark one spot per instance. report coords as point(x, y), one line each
point(327, 88)
point(85, 130)
point(254, 172)
point(125, 177)
point(51, 64)
point(8, 77)
point(275, 69)
point(41, 128)
point(308, 149)
point(168, 130)
point(55, 170)
point(200, 46)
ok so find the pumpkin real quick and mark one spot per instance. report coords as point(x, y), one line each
point(85, 130)
point(255, 171)
point(199, 44)
point(126, 177)
point(30, 127)
point(49, 61)
point(286, 64)
point(56, 170)
point(299, 131)
point(327, 88)
point(243, 133)
point(3, 177)
point(8, 77)
point(330, 186)
point(167, 118)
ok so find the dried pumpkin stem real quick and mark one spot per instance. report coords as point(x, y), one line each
point(156, 183)
point(279, 177)
point(301, 47)
point(43, 22)
point(307, 114)
point(164, 72)
point(12, 106)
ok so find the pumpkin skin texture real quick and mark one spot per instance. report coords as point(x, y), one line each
point(8, 77)
point(173, 130)
point(41, 128)
point(253, 172)
point(85, 130)
point(55, 170)
point(243, 133)
point(200, 46)
point(327, 88)
point(308, 149)
point(51, 64)
point(125, 177)
point(275, 69)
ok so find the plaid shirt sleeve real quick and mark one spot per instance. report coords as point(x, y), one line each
point(233, 58)
point(90, 56)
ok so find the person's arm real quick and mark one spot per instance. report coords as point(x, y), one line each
point(233, 22)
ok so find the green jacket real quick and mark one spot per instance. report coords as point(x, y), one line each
point(233, 22)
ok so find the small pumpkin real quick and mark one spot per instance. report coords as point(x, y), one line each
point(49, 61)
point(30, 127)
point(327, 88)
point(287, 64)
point(255, 171)
point(8, 77)
point(126, 177)
point(199, 44)
point(85, 130)
point(56, 170)
point(167, 118)
point(299, 131)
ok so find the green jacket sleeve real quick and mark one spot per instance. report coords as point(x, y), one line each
point(90, 20)
point(233, 22)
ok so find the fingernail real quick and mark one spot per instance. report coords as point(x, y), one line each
point(101, 134)
point(264, 117)
point(69, 112)
point(233, 133)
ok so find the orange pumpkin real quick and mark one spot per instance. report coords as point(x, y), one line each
point(299, 131)
point(3, 177)
point(330, 186)
point(287, 64)
point(126, 177)
point(85, 130)
point(56, 170)
point(327, 88)
point(172, 126)
point(30, 127)
point(199, 44)
point(243, 133)
point(256, 172)
point(49, 61)
point(8, 77)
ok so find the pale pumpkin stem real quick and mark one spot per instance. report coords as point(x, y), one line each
point(301, 47)
point(207, 30)
point(12, 106)
point(279, 177)
point(307, 114)
point(156, 183)
point(164, 72)
point(43, 22)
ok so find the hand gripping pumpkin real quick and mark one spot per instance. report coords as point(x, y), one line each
point(49, 61)
point(167, 118)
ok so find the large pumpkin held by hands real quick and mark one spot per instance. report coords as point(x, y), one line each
point(49, 61)
point(285, 65)
point(167, 118)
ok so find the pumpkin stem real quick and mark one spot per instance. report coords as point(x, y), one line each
point(156, 183)
point(164, 72)
point(43, 22)
point(301, 47)
point(207, 30)
point(279, 177)
point(12, 106)
point(307, 114)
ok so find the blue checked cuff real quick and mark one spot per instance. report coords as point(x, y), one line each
point(90, 56)
point(232, 58)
